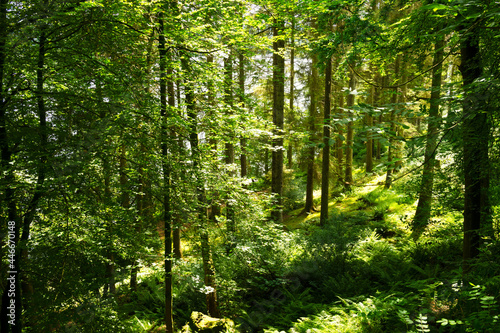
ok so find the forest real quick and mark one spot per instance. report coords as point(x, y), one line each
point(274, 166)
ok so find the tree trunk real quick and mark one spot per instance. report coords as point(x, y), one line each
point(476, 130)
point(167, 211)
point(27, 287)
point(278, 110)
point(325, 172)
point(350, 133)
point(340, 142)
point(311, 150)
point(423, 212)
point(243, 140)
point(369, 139)
point(206, 252)
point(289, 154)
point(228, 99)
point(392, 138)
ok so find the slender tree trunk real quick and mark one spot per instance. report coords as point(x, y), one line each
point(476, 130)
point(340, 142)
point(215, 208)
point(369, 139)
point(392, 139)
point(110, 257)
point(243, 140)
point(350, 134)
point(400, 131)
point(139, 199)
point(278, 111)
point(176, 225)
point(230, 156)
point(325, 172)
point(289, 154)
point(313, 93)
point(167, 211)
point(110, 271)
point(423, 212)
point(39, 191)
point(206, 252)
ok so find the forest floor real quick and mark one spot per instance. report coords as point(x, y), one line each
point(362, 272)
point(343, 204)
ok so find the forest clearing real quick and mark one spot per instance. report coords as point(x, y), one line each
point(304, 166)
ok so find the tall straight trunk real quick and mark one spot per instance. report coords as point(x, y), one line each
point(110, 269)
point(289, 154)
point(391, 151)
point(206, 252)
point(228, 99)
point(350, 133)
point(176, 225)
point(139, 201)
point(476, 130)
point(339, 151)
point(369, 135)
point(423, 212)
point(42, 166)
point(167, 210)
point(278, 112)
point(400, 131)
point(375, 120)
point(325, 170)
point(110, 256)
point(215, 208)
point(313, 105)
point(243, 140)
point(176, 222)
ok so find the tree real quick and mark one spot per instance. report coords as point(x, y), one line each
point(423, 212)
point(325, 170)
point(311, 149)
point(476, 130)
point(278, 113)
point(350, 133)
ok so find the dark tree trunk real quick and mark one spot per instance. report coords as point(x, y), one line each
point(243, 140)
point(325, 172)
point(289, 154)
point(206, 252)
point(339, 142)
point(392, 139)
point(167, 210)
point(228, 99)
point(311, 150)
point(350, 134)
point(278, 111)
point(423, 212)
point(476, 130)
point(369, 139)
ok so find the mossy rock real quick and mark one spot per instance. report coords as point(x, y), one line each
point(201, 323)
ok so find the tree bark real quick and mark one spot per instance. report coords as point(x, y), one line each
point(206, 252)
point(393, 129)
point(423, 212)
point(289, 154)
point(278, 111)
point(243, 140)
point(325, 172)
point(476, 130)
point(369, 138)
point(167, 211)
point(339, 151)
point(230, 156)
point(311, 150)
point(350, 134)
